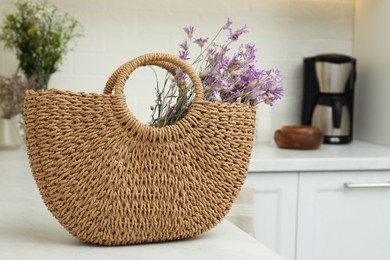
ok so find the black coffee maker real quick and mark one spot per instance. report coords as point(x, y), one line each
point(329, 81)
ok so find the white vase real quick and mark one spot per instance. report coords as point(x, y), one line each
point(263, 130)
point(9, 134)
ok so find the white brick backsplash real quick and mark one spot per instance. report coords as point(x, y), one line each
point(116, 31)
point(9, 62)
point(315, 10)
point(120, 20)
point(191, 7)
point(130, 45)
point(287, 112)
point(160, 22)
point(78, 83)
point(94, 42)
point(78, 3)
point(293, 86)
point(97, 63)
point(144, 5)
point(290, 68)
point(338, 30)
point(93, 19)
point(321, 29)
point(299, 48)
point(271, 48)
point(122, 42)
point(263, 8)
point(275, 27)
point(212, 23)
point(100, 20)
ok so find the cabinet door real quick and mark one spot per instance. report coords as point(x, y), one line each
point(339, 223)
point(275, 205)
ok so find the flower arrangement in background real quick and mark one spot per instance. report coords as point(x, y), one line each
point(226, 77)
point(12, 92)
point(39, 34)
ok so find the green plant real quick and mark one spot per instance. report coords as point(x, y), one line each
point(39, 34)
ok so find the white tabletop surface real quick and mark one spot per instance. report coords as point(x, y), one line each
point(28, 230)
point(329, 157)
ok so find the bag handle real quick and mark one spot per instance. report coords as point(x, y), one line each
point(110, 84)
point(118, 79)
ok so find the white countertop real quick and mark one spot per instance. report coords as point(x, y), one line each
point(355, 156)
point(28, 230)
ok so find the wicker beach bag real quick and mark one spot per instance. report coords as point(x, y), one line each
point(111, 180)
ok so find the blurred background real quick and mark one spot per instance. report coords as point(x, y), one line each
point(286, 31)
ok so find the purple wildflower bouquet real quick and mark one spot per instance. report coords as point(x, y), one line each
point(226, 77)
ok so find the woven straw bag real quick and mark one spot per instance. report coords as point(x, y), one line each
point(111, 180)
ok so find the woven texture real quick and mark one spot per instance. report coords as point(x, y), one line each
point(111, 180)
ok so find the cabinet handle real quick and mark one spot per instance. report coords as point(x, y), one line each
point(366, 185)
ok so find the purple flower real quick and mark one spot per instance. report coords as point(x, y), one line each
point(217, 96)
point(226, 75)
point(224, 50)
point(249, 77)
point(183, 55)
point(184, 45)
point(180, 75)
point(209, 81)
point(234, 63)
point(189, 31)
point(210, 54)
point(237, 33)
point(250, 47)
point(277, 93)
point(272, 89)
point(201, 41)
point(227, 24)
point(171, 109)
point(234, 78)
point(248, 51)
point(253, 92)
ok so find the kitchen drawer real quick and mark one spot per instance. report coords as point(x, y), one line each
point(337, 222)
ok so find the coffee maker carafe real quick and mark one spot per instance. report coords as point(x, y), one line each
point(328, 96)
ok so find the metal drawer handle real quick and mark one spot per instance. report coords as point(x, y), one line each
point(367, 185)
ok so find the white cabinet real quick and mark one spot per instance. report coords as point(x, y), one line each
point(341, 223)
point(275, 209)
point(303, 210)
point(313, 216)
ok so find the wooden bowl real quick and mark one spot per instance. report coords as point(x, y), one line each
point(299, 137)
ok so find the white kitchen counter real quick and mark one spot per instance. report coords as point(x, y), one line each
point(355, 156)
point(28, 230)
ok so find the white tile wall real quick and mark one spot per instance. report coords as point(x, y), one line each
point(119, 30)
